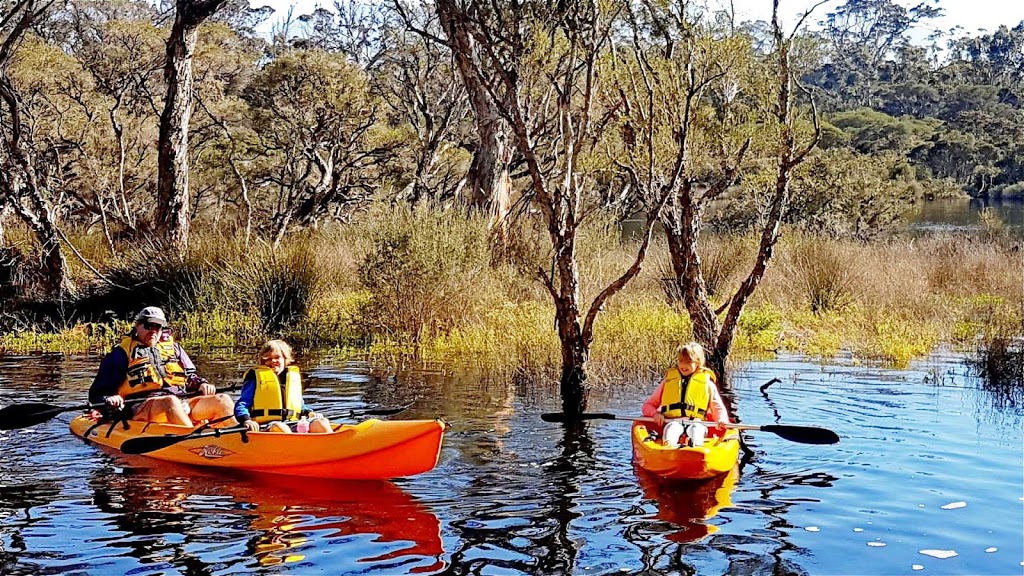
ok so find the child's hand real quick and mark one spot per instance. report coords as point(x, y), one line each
point(659, 418)
point(720, 426)
point(252, 425)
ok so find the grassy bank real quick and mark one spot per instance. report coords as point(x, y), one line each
point(403, 283)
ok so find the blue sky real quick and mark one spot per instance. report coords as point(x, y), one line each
point(970, 14)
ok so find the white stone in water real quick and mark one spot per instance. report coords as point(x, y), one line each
point(858, 529)
point(813, 529)
point(917, 567)
point(876, 544)
point(940, 554)
point(991, 549)
point(954, 505)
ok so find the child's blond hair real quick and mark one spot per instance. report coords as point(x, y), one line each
point(279, 346)
point(691, 351)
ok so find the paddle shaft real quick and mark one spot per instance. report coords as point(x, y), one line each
point(799, 434)
point(29, 414)
point(148, 444)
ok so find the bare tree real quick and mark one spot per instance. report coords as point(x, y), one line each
point(172, 213)
point(23, 176)
point(488, 182)
point(698, 186)
point(419, 82)
point(540, 66)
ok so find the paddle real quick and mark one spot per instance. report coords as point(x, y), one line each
point(31, 413)
point(799, 434)
point(148, 444)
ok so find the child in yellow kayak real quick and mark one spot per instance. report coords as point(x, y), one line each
point(272, 393)
point(688, 391)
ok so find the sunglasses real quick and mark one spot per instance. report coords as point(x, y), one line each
point(152, 325)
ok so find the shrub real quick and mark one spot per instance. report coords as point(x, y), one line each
point(279, 286)
point(822, 272)
point(427, 271)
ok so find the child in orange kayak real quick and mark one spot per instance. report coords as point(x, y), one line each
point(272, 393)
point(688, 391)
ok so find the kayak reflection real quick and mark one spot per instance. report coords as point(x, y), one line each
point(374, 525)
point(328, 510)
point(688, 504)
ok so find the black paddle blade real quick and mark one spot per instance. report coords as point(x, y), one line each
point(150, 443)
point(564, 417)
point(802, 434)
point(30, 414)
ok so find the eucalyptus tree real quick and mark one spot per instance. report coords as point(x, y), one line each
point(172, 214)
point(419, 82)
point(323, 144)
point(701, 113)
point(123, 60)
point(541, 66)
point(488, 181)
point(26, 171)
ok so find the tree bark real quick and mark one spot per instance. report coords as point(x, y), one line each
point(489, 183)
point(20, 183)
point(172, 213)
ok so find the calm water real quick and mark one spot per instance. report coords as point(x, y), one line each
point(928, 477)
point(963, 215)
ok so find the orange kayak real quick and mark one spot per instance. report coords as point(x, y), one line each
point(716, 456)
point(371, 450)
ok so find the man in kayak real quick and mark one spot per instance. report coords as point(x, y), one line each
point(148, 363)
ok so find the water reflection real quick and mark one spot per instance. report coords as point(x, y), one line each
point(530, 534)
point(166, 516)
point(688, 506)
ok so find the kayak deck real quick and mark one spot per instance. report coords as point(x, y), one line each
point(370, 450)
point(716, 456)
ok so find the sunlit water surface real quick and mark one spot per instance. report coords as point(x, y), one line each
point(927, 479)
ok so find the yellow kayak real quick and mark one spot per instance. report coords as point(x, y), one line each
point(716, 456)
point(371, 450)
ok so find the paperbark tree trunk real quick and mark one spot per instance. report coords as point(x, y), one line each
point(172, 216)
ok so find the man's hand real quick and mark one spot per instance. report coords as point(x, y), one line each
point(201, 384)
point(115, 401)
point(252, 425)
point(659, 418)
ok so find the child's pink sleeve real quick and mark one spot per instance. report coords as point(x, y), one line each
point(651, 406)
point(716, 407)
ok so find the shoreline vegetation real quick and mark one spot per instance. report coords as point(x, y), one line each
point(419, 284)
point(445, 180)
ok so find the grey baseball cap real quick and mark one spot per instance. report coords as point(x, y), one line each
point(152, 314)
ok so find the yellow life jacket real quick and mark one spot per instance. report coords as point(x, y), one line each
point(143, 376)
point(687, 397)
point(267, 401)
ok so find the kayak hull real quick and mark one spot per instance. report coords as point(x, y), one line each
point(717, 455)
point(371, 450)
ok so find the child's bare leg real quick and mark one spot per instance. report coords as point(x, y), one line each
point(278, 427)
point(320, 425)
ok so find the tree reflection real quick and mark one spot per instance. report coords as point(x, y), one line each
point(16, 504)
point(532, 534)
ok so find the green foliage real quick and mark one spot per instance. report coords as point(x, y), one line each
point(760, 329)
point(279, 286)
point(423, 269)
